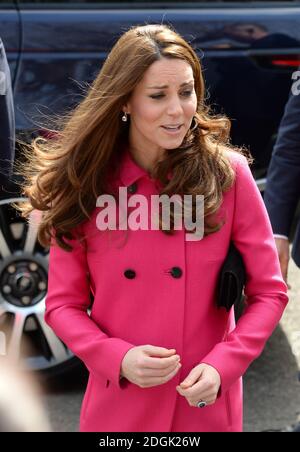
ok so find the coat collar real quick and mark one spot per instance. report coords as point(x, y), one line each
point(130, 171)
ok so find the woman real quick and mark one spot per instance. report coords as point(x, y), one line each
point(161, 355)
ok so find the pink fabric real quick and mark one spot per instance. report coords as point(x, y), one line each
point(156, 308)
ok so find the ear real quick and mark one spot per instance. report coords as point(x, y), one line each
point(126, 108)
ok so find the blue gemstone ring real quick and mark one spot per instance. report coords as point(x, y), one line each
point(201, 404)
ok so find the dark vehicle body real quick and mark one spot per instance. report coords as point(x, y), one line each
point(249, 52)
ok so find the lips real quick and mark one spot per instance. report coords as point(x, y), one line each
point(172, 127)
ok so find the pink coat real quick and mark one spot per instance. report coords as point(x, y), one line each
point(159, 309)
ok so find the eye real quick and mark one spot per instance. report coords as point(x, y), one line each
point(187, 93)
point(157, 96)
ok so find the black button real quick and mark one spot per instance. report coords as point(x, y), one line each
point(130, 274)
point(176, 272)
point(132, 188)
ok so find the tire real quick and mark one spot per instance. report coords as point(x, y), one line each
point(25, 336)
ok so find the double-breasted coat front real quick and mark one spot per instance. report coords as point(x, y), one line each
point(159, 289)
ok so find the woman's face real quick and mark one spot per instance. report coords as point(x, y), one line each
point(165, 97)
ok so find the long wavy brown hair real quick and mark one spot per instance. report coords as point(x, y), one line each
point(63, 175)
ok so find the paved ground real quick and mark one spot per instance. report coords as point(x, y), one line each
point(271, 386)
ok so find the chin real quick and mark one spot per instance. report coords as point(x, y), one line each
point(173, 145)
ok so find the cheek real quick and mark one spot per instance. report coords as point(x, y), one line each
point(148, 114)
point(191, 107)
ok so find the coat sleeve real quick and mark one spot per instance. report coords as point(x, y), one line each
point(67, 302)
point(265, 290)
point(282, 191)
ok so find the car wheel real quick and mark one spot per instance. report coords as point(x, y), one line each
point(23, 288)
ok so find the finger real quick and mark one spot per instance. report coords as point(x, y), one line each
point(159, 372)
point(158, 351)
point(160, 363)
point(200, 387)
point(180, 391)
point(161, 380)
point(284, 268)
point(211, 402)
point(284, 260)
point(206, 397)
point(155, 381)
point(193, 377)
point(285, 277)
point(208, 402)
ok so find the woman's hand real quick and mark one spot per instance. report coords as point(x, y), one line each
point(283, 249)
point(147, 365)
point(202, 383)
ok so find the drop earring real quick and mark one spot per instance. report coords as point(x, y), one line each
point(124, 117)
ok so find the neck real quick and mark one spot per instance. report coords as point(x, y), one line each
point(145, 159)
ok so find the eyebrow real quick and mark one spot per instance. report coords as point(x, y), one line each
point(166, 86)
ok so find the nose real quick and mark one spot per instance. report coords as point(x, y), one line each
point(175, 107)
